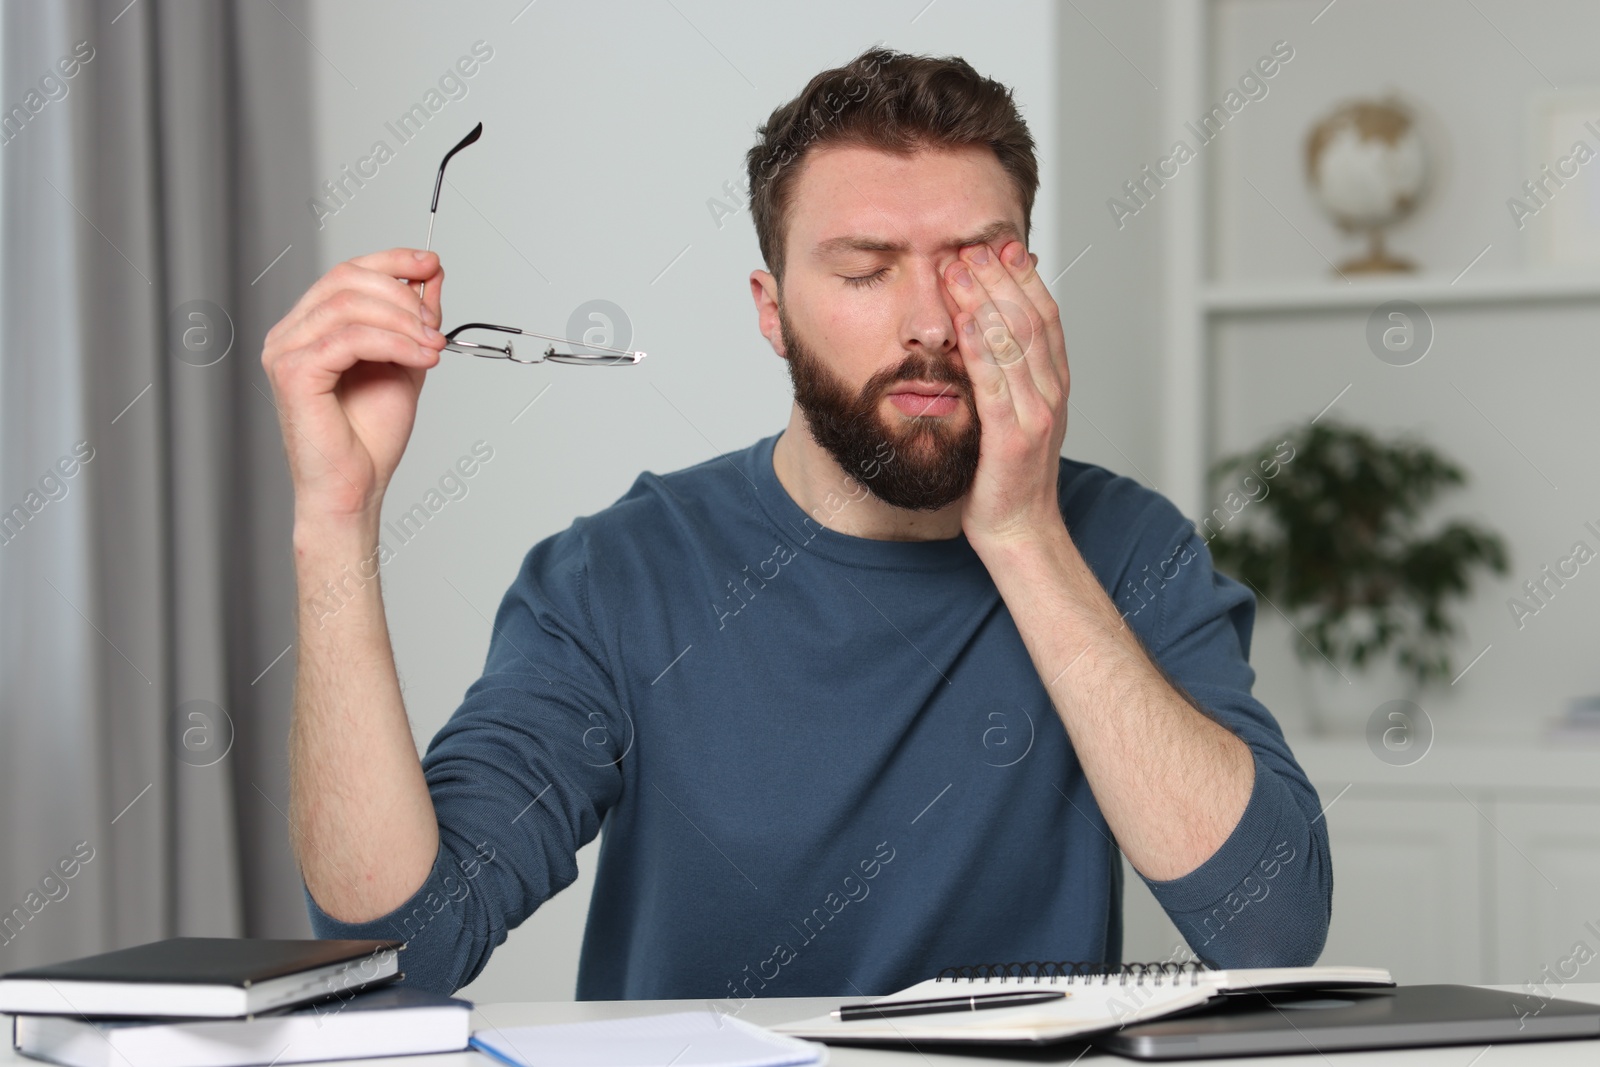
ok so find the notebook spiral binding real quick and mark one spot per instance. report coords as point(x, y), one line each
point(1071, 972)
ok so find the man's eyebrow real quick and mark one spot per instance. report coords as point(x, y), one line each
point(868, 243)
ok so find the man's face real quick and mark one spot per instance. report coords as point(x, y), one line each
point(866, 321)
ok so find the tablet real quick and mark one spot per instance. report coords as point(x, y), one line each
point(1247, 1024)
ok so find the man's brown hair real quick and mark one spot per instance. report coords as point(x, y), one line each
point(890, 101)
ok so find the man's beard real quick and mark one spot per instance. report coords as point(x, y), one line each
point(931, 463)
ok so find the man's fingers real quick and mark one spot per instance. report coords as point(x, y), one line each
point(349, 276)
point(360, 307)
point(319, 363)
point(990, 384)
point(414, 267)
point(410, 263)
point(432, 309)
point(1024, 271)
point(1019, 315)
point(986, 346)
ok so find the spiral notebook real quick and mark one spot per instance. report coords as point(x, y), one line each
point(1098, 999)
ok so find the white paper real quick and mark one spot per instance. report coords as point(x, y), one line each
point(682, 1039)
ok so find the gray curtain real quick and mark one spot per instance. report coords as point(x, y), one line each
point(154, 174)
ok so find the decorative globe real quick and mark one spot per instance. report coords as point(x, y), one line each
point(1368, 169)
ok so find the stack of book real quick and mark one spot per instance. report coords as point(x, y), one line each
point(227, 1002)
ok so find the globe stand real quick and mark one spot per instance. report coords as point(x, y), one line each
point(1377, 260)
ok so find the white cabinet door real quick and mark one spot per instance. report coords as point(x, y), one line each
point(1546, 860)
point(1407, 889)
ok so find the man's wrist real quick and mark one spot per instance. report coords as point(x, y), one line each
point(321, 534)
point(337, 559)
point(1046, 550)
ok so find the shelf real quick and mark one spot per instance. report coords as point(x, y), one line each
point(1267, 298)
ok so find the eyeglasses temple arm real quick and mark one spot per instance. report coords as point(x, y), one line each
point(476, 132)
point(438, 183)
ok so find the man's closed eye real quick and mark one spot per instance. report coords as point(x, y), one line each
point(866, 281)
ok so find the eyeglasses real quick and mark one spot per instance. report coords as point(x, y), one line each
point(599, 356)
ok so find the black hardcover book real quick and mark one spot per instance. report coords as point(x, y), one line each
point(200, 977)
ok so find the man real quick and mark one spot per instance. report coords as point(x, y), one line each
point(851, 704)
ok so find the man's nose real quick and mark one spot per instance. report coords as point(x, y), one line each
point(930, 322)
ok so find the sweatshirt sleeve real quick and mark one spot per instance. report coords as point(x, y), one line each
point(521, 776)
point(1264, 898)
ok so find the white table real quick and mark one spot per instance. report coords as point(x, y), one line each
point(773, 1010)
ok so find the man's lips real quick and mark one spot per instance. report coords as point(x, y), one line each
point(929, 400)
point(924, 390)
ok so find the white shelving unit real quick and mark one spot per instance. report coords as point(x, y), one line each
point(1477, 864)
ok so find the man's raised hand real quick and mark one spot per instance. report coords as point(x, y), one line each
point(347, 364)
point(1009, 332)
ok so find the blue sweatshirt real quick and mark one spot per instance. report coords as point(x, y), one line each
point(825, 765)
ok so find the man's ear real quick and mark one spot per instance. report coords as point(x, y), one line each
point(764, 291)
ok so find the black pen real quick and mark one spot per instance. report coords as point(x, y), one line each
point(848, 1012)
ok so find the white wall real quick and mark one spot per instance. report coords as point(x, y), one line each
point(608, 127)
point(1108, 65)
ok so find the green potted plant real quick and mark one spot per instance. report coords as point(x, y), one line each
point(1334, 540)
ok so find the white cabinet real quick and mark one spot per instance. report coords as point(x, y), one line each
point(1407, 893)
point(1547, 880)
point(1473, 865)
